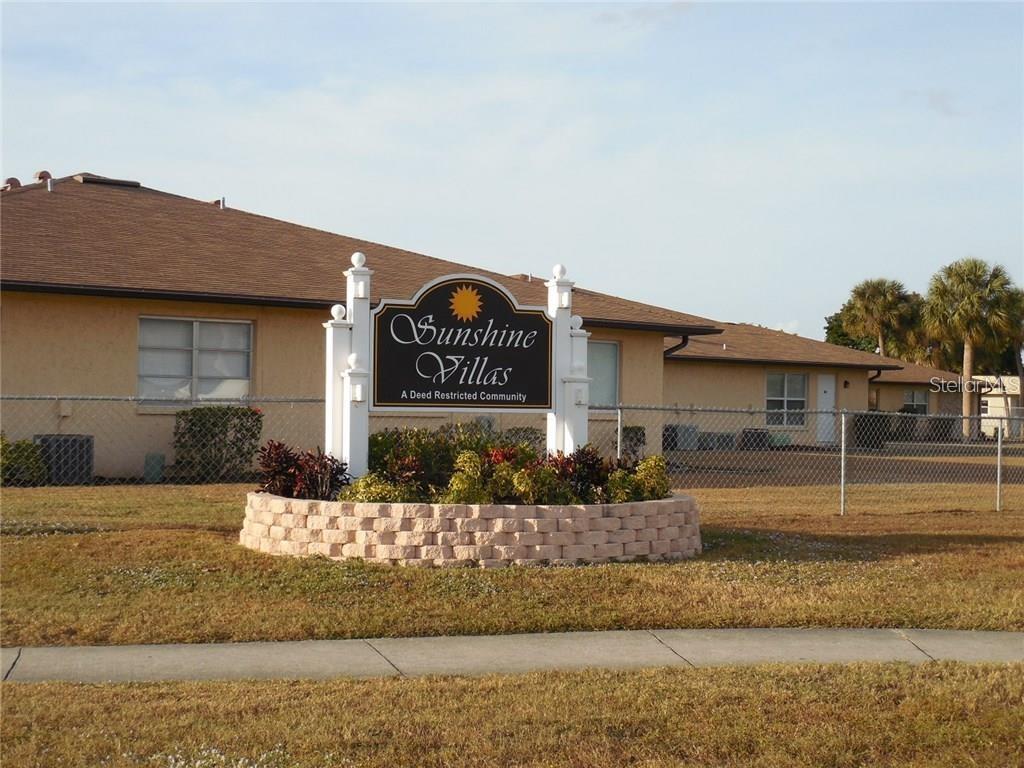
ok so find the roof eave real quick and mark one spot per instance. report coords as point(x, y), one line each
point(142, 293)
point(777, 361)
point(285, 301)
point(667, 329)
point(922, 382)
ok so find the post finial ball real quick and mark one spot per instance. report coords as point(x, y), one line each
point(575, 322)
point(558, 271)
point(358, 259)
point(353, 360)
point(338, 312)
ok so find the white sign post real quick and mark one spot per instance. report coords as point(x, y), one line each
point(349, 378)
point(567, 423)
point(346, 414)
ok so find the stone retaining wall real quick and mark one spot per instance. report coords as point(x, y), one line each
point(492, 535)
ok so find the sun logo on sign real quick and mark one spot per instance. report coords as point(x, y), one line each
point(466, 303)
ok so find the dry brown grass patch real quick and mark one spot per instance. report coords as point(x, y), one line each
point(167, 569)
point(878, 715)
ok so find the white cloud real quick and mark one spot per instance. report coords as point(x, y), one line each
point(709, 210)
point(789, 326)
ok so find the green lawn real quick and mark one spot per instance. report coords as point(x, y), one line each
point(820, 716)
point(161, 564)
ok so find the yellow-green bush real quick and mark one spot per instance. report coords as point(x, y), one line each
point(375, 488)
point(652, 477)
point(21, 463)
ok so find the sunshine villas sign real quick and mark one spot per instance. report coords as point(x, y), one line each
point(463, 343)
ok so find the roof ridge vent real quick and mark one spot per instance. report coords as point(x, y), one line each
point(88, 178)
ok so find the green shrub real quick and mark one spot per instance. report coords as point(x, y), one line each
point(472, 464)
point(216, 442)
point(532, 437)
point(21, 463)
point(425, 458)
point(467, 484)
point(501, 486)
point(623, 487)
point(634, 440)
point(300, 475)
point(585, 471)
point(540, 484)
point(652, 477)
point(375, 488)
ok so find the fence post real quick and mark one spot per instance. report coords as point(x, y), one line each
point(999, 466)
point(842, 462)
point(618, 432)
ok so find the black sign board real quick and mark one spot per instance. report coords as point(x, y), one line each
point(463, 343)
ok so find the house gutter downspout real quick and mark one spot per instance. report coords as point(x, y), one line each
point(683, 341)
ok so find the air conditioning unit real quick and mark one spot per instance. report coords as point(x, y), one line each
point(68, 457)
point(679, 437)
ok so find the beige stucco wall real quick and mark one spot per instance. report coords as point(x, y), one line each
point(744, 385)
point(641, 367)
point(701, 384)
point(58, 344)
point(87, 345)
point(890, 397)
point(54, 344)
point(641, 361)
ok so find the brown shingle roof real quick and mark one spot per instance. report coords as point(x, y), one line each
point(743, 343)
point(98, 235)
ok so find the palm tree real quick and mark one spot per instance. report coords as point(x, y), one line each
point(910, 341)
point(876, 307)
point(971, 303)
point(1016, 304)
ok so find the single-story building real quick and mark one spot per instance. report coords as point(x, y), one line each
point(916, 389)
point(751, 367)
point(1000, 398)
point(114, 289)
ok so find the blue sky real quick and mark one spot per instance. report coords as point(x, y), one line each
point(745, 162)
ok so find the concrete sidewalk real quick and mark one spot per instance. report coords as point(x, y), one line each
point(478, 655)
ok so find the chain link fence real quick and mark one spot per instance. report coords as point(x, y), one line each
point(118, 440)
point(853, 460)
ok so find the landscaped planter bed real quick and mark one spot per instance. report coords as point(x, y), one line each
point(488, 535)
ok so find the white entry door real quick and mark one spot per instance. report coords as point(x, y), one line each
point(826, 402)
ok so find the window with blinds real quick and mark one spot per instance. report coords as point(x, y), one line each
point(193, 359)
point(787, 399)
point(915, 401)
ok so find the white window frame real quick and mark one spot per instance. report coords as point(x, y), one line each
point(195, 350)
point(913, 401)
point(618, 369)
point(786, 423)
